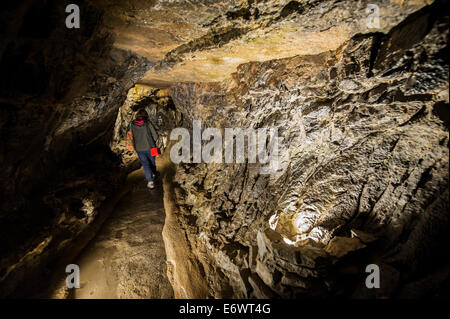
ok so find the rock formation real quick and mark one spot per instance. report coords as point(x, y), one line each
point(361, 112)
point(363, 149)
point(60, 92)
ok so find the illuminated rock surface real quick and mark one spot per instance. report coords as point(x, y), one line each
point(362, 117)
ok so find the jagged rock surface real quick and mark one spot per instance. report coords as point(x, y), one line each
point(363, 133)
point(362, 116)
point(60, 92)
point(206, 40)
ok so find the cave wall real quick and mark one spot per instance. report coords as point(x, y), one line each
point(161, 112)
point(362, 118)
point(363, 178)
point(60, 91)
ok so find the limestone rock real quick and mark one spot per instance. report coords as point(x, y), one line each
point(260, 290)
point(363, 148)
point(341, 246)
point(60, 91)
point(361, 113)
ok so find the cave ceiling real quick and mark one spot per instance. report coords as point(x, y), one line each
point(205, 41)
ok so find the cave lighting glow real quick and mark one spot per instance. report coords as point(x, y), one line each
point(288, 241)
point(273, 221)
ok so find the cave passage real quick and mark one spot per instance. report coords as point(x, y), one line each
point(357, 97)
point(127, 259)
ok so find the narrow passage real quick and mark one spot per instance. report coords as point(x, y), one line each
point(127, 258)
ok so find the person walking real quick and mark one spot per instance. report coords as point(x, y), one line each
point(142, 137)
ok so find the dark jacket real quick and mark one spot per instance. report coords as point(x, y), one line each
point(144, 136)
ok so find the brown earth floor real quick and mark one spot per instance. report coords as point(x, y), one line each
point(127, 258)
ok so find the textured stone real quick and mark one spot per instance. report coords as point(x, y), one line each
point(60, 91)
point(363, 236)
point(260, 290)
point(293, 280)
point(362, 118)
point(270, 276)
point(341, 246)
point(363, 147)
point(207, 40)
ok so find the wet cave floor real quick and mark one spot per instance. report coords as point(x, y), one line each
point(126, 258)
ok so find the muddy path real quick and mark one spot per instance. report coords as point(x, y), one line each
point(127, 258)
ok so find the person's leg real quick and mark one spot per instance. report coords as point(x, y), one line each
point(153, 164)
point(145, 161)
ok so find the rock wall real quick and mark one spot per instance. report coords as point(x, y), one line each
point(362, 119)
point(161, 111)
point(60, 91)
point(363, 178)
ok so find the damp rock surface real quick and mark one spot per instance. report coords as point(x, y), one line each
point(205, 41)
point(60, 91)
point(362, 150)
point(361, 114)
